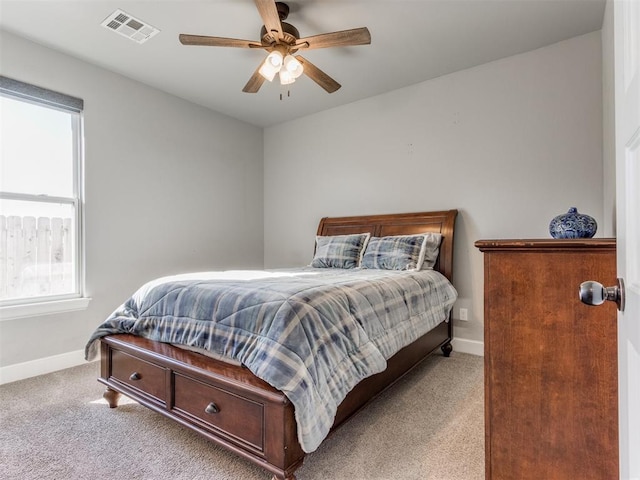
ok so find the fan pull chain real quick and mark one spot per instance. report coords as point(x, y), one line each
point(288, 94)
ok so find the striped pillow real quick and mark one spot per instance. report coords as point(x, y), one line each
point(339, 251)
point(399, 252)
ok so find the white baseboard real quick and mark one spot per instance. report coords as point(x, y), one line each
point(472, 347)
point(20, 371)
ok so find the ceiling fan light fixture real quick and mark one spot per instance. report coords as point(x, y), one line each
point(293, 66)
point(274, 59)
point(267, 71)
point(286, 78)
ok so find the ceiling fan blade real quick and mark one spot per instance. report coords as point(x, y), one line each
point(344, 38)
point(318, 76)
point(217, 41)
point(255, 82)
point(269, 14)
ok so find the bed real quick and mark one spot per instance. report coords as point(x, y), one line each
point(228, 396)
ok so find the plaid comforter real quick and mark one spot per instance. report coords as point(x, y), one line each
point(311, 333)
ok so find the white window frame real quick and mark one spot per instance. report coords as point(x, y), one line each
point(50, 304)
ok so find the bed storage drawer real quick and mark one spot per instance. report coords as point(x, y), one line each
point(145, 377)
point(220, 410)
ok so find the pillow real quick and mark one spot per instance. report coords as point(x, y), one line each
point(431, 250)
point(339, 251)
point(400, 252)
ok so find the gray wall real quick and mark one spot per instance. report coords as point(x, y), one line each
point(511, 144)
point(608, 123)
point(170, 187)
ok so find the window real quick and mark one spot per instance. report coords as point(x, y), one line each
point(40, 199)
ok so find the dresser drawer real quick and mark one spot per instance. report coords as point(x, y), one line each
point(138, 374)
point(220, 410)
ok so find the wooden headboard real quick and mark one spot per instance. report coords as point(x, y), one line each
point(400, 224)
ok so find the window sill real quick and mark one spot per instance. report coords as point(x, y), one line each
point(13, 312)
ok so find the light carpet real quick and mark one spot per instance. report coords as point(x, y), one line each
point(428, 426)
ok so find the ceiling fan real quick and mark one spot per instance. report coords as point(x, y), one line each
point(282, 40)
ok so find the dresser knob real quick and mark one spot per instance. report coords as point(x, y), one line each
point(135, 376)
point(211, 409)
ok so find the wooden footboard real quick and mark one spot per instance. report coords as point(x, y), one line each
point(228, 404)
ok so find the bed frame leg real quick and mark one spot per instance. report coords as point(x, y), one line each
point(112, 397)
point(447, 348)
point(291, 477)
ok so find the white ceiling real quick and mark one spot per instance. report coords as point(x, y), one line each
point(412, 41)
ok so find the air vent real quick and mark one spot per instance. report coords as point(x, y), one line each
point(129, 26)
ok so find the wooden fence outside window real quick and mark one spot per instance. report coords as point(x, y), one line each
point(36, 257)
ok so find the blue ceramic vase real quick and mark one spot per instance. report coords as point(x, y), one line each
point(573, 225)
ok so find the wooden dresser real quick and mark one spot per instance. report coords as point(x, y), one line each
point(550, 361)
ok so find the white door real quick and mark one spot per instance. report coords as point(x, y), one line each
point(627, 126)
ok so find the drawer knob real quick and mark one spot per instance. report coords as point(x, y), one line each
point(135, 376)
point(211, 409)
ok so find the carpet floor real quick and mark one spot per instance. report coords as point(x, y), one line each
point(428, 426)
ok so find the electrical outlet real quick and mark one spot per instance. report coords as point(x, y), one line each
point(464, 314)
